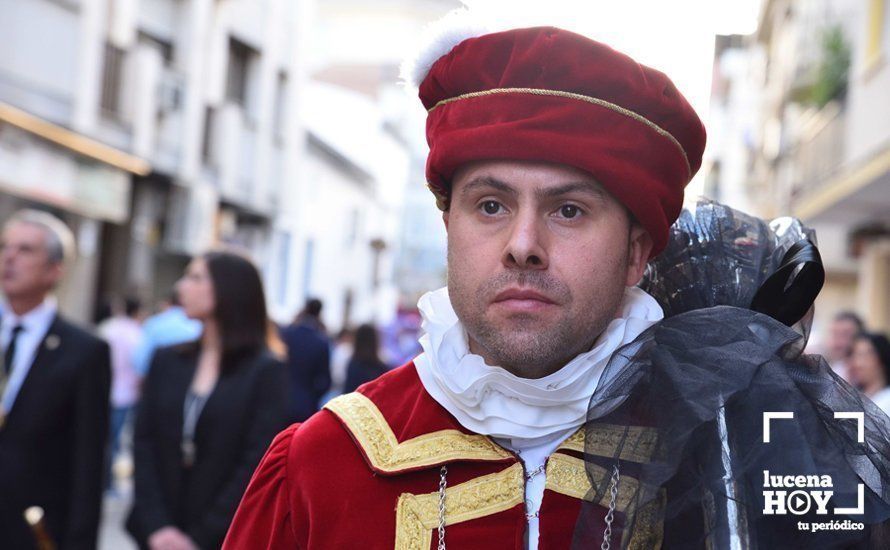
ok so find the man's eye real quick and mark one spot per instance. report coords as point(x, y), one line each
point(569, 211)
point(491, 207)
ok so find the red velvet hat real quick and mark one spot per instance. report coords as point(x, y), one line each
point(548, 94)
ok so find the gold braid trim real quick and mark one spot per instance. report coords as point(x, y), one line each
point(566, 475)
point(373, 434)
point(580, 97)
point(647, 525)
point(418, 515)
point(603, 440)
point(575, 442)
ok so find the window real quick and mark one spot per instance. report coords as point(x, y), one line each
point(207, 144)
point(164, 47)
point(239, 66)
point(112, 75)
point(279, 122)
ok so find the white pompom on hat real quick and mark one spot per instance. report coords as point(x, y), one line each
point(439, 38)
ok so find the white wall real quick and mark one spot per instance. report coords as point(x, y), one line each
point(31, 64)
point(868, 111)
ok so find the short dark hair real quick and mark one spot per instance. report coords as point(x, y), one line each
point(240, 303)
point(366, 345)
point(852, 317)
point(313, 307)
point(132, 305)
point(882, 348)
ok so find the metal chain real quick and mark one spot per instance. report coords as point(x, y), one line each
point(613, 498)
point(540, 469)
point(442, 484)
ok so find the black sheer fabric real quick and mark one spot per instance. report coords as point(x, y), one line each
point(703, 379)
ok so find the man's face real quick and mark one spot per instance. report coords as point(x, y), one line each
point(26, 270)
point(539, 255)
point(840, 338)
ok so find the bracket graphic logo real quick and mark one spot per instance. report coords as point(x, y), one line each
point(798, 494)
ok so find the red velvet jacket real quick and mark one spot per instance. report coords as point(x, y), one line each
point(364, 473)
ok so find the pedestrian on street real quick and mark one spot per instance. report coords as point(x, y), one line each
point(341, 353)
point(54, 384)
point(167, 327)
point(365, 364)
point(123, 332)
point(841, 333)
point(308, 360)
point(209, 409)
point(869, 367)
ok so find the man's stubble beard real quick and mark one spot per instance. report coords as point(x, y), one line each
point(529, 348)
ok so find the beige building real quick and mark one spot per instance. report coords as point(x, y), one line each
point(820, 148)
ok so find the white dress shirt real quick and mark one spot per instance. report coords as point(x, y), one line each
point(35, 324)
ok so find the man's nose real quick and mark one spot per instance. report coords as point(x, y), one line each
point(526, 248)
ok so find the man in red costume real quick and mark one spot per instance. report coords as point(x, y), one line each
point(559, 165)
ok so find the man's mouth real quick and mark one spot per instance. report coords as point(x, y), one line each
point(522, 300)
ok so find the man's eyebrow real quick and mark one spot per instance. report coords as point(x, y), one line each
point(572, 187)
point(487, 181)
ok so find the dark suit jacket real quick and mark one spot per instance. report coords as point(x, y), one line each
point(359, 372)
point(309, 364)
point(247, 408)
point(53, 442)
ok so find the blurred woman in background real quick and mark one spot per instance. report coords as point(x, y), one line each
point(209, 410)
point(870, 367)
point(365, 364)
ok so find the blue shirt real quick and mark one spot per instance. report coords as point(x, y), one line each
point(167, 328)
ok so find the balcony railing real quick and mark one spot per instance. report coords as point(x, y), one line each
point(820, 151)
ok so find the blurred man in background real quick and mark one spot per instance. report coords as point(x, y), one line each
point(308, 360)
point(168, 327)
point(55, 386)
point(843, 330)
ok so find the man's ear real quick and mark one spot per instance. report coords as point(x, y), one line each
point(638, 251)
point(445, 219)
point(55, 273)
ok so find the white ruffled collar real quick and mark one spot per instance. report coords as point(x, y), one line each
point(492, 401)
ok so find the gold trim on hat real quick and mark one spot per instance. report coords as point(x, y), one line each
point(580, 97)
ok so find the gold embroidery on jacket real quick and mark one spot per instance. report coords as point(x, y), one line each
point(639, 445)
point(575, 442)
point(647, 531)
point(418, 515)
point(385, 453)
point(566, 475)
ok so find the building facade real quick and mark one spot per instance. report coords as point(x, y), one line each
point(156, 128)
point(817, 138)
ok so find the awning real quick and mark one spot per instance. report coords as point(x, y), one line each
point(72, 140)
point(45, 162)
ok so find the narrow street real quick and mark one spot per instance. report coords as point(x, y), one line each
point(112, 535)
